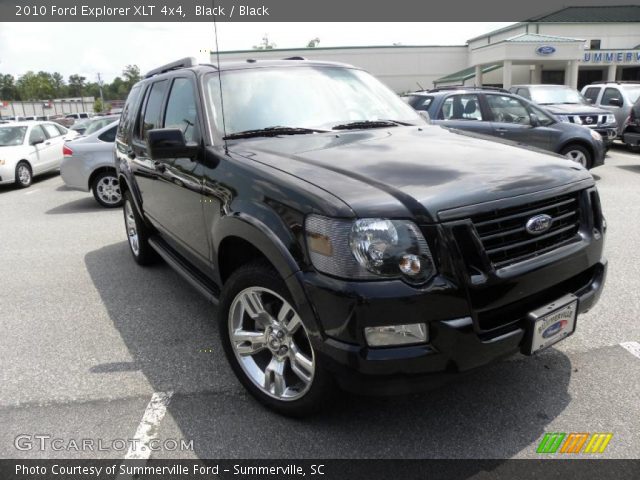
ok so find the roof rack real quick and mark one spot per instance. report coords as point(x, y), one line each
point(619, 82)
point(462, 87)
point(182, 63)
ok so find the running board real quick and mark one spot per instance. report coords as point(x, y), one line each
point(196, 279)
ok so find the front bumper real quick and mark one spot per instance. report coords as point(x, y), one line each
point(456, 345)
point(7, 174)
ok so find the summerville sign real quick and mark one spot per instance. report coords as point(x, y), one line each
point(602, 56)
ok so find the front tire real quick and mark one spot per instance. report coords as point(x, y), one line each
point(267, 345)
point(137, 234)
point(24, 175)
point(106, 190)
point(579, 154)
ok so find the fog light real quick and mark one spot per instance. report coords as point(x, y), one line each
point(388, 335)
point(410, 265)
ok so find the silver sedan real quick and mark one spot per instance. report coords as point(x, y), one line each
point(88, 165)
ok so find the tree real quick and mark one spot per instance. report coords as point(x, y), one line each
point(59, 87)
point(35, 86)
point(313, 43)
point(266, 44)
point(8, 89)
point(76, 85)
point(131, 74)
point(98, 106)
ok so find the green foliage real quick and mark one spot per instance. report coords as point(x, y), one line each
point(46, 86)
point(98, 106)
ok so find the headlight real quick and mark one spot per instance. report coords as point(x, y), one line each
point(562, 118)
point(610, 119)
point(595, 135)
point(369, 248)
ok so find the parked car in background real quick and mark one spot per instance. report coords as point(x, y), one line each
point(568, 105)
point(631, 128)
point(616, 97)
point(78, 116)
point(501, 114)
point(88, 164)
point(93, 124)
point(344, 238)
point(31, 148)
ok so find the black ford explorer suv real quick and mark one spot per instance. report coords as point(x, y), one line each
point(345, 239)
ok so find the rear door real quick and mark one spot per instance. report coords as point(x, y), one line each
point(463, 111)
point(511, 120)
point(55, 142)
point(147, 172)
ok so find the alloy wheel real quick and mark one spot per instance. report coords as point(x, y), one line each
point(108, 189)
point(577, 156)
point(271, 344)
point(24, 174)
point(132, 229)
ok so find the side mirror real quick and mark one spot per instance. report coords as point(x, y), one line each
point(615, 102)
point(165, 143)
point(535, 121)
point(590, 100)
point(36, 141)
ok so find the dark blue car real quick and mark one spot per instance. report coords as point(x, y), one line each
point(498, 113)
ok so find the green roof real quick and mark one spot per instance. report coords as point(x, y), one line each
point(535, 37)
point(595, 14)
point(466, 74)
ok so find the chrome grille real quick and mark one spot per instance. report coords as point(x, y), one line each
point(506, 240)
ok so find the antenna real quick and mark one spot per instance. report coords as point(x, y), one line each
point(215, 31)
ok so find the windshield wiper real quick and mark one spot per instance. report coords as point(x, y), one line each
point(358, 124)
point(272, 132)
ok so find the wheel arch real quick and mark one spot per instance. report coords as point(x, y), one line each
point(581, 143)
point(98, 170)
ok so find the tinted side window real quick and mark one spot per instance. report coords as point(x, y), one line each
point(592, 94)
point(181, 109)
point(461, 107)
point(61, 129)
point(420, 102)
point(37, 135)
point(109, 136)
point(610, 93)
point(129, 113)
point(153, 109)
point(508, 109)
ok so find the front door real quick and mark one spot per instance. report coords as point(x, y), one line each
point(511, 120)
point(463, 111)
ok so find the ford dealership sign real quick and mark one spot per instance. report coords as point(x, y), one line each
point(545, 50)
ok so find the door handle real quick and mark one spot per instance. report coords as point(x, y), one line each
point(160, 167)
point(131, 155)
point(47, 143)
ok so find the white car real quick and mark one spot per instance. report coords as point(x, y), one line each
point(28, 149)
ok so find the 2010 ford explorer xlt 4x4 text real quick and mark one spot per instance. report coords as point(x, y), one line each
point(343, 238)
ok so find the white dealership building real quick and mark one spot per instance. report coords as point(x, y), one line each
point(573, 46)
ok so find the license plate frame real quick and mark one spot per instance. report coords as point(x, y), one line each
point(551, 323)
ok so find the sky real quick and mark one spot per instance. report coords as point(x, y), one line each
point(106, 48)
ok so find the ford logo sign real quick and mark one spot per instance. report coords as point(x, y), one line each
point(555, 328)
point(538, 224)
point(545, 50)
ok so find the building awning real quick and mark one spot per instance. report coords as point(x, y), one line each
point(466, 74)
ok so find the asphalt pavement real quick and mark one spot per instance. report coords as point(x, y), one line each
point(93, 346)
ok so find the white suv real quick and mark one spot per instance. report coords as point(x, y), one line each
point(30, 148)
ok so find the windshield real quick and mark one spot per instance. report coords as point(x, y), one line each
point(633, 92)
point(12, 136)
point(550, 95)
point(303, 97)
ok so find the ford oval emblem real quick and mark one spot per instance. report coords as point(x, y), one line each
point(538, 224)
point(545, 50)
point(555, 328)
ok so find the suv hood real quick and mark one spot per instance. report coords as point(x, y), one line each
point(574, 109)
point(412, 172)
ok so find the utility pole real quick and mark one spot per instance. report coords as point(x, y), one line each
point(100, 82)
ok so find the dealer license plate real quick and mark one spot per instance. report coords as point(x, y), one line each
point(552, 323)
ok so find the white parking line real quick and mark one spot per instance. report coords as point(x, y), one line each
point(32, 191)
point(148, 427)
point(632, 347)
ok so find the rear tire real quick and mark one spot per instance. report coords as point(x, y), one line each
point(106, 189)
point(24, 175)
point(579, 154)
point(137, 234)
point(267, 345)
